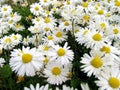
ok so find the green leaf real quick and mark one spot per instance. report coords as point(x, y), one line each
point(6, 71)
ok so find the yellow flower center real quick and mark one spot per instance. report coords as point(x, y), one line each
point(10, 22)
point(58, 34)
point(46, 60)
point(68, 2)
point(61, 52)
point(116, 31)
point(37, 8)
point(96, 62)
point(45, 0)
point(85, 32)
point(117, 3)
point(100, 12)
point(4, 9)
point(97, 37)
point(8, 40)
point(85, 4)
point(37, 19)
point(45, 48)
point(26, 58)
point(47, 12)
point(15, 37)
point(108, 14)
point(66, 23)
point(105, 49)
point(114, 82)
point(46, 29)
point(12, 15)
point(47, 20)
point(103, 25)
point(56, 71)
point(50, 37)
point(86, 17)
point(18, 25)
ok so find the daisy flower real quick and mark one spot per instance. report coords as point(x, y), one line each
point(26, 41)
point(109, 79)
point(14, 16)
point(36, 9)
point(48, 22)
point(37, 87)
point(95, 39)
point(34, 29)
point(81, 35)
point(36, 39)
point(7, 42)
point(59, 35)
point(113, 32)
point(62, 54)
point(36, 21)
point(55, 73)
point(93, 63)
point(18, 27)
point(16, 38)
point(109, 51)
point(2, 61)
point(26, 61)
point(5, 10)
point(67, 25)
point(45, 2)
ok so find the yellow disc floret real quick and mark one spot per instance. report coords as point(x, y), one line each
point(85, 4)
point(116, 31)
point(47, 20)
point(97, 37)
point(61, 52)
point(105, 49)
point(114, 82)
point(66, 23)
point(26, 58)
point(37, 8)
point(56, 71)
point(96, 62)
point(58, 34)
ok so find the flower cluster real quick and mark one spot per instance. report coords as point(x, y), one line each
point(62, 43)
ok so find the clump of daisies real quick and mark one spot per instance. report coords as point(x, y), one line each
point(62, 43)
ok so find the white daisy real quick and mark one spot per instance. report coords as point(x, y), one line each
point(94, 63)
point(18, 27)
point(62, 54)
point(95, 39)
point(16, 38)
point(36, 9)
point(55, 73)
point(26, 41)
point(59, 36)
point(37, 87)
point(109, 79)
point(7, 42)
point(5, 10)
point(34, 29)
point(26, 61)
